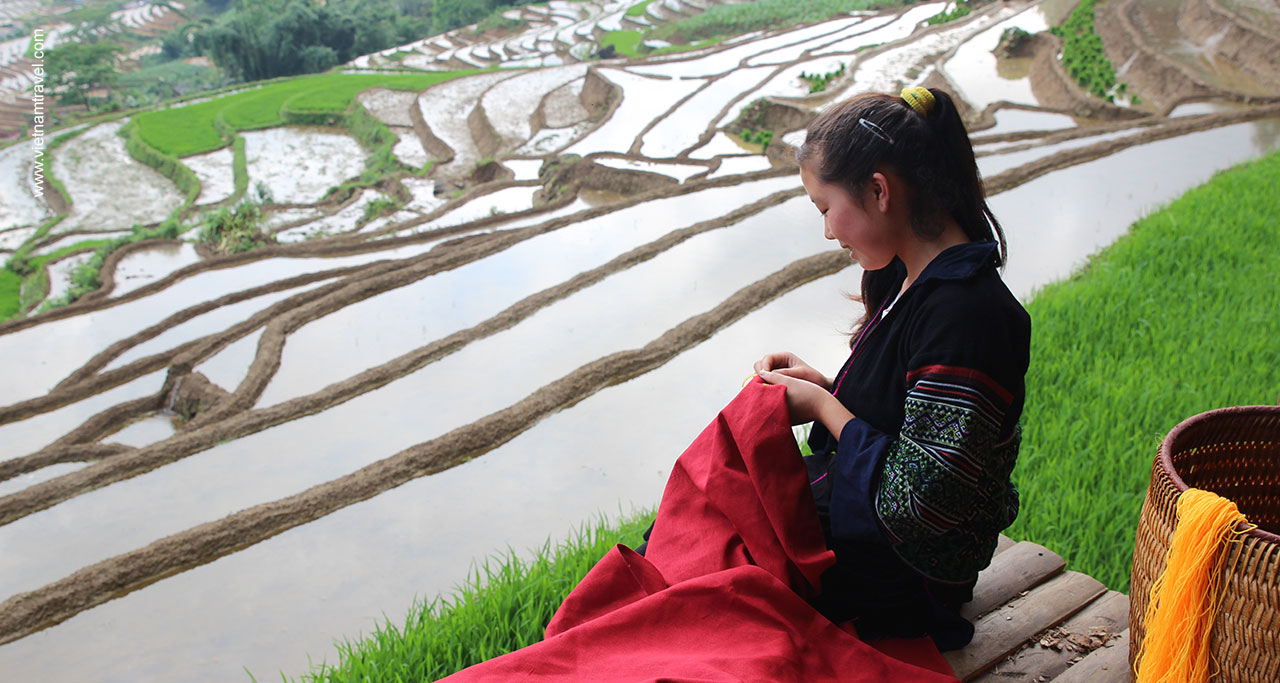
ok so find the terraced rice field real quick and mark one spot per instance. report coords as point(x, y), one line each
point(225, 462)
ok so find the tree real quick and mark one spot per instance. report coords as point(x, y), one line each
point(75, 69)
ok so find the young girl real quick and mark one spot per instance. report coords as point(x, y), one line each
point(916, 436)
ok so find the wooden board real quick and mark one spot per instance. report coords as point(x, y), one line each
point(1049, 653)
point(1004, 630)
point(1020, 568)
point(1105, 665)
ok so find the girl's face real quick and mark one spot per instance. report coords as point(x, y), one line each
point(859, 224)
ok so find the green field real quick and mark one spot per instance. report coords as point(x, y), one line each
point(738, 19)
point(1177, 317)
point(183, 131)
point(10, 286)
point(505, 605)
point(627, 43)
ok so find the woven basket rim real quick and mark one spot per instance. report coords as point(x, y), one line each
point(1165, 456)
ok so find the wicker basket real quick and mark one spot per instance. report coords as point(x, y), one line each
point(1235, 453)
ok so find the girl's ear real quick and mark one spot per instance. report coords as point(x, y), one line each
point(878, 191)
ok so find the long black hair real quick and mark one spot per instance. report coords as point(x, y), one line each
point(932, 154)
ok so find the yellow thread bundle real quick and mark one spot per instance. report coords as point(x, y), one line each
point(1186, 596)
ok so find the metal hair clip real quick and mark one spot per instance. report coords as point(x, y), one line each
point(875, 130)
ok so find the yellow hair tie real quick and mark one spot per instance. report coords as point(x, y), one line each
point(920, 100)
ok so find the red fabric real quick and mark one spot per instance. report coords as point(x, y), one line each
point(720, 594)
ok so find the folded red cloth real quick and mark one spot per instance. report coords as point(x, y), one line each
point(720, 593)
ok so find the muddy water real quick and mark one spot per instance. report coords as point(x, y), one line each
point(887, 71)
point(619, 313)
point(145, 431)
point(991, 165)
point(541, 484)
point(214, 170)
point(30, 435)
point(556, 474)
point(725, 60)
point(1160, 30)
point(57, 348)
point(721, 144)
point(681, 172)
point(1017, 120)
point(60, 273)
point(898, 29)
point(643, 100)
point(298, 165)
point(974, 69)
point(1056, 221)
point(22, 481)
point(144, 266)
point(209, 323)
point(524, 169)
point(228, 367)
point(681, 129)
point(108, 188)
point(509, 200)
point(740, 164)
point(376, 330)
point(18, 203)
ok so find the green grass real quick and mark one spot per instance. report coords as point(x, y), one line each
point(1084, 57)
point(638, 10)
point(504, 605)
point(10, 287)
point(1176, 318)
point(818, 82)
point(732, 20)
point(188, 130)
point(625, 42)
point(961, 9)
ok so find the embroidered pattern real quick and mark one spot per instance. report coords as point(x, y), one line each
point(944, 491)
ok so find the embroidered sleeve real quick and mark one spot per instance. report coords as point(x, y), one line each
point(944, 488)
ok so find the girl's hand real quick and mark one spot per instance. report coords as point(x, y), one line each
point(808, 402)
point(790, 365)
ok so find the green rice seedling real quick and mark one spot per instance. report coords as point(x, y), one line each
point(193, 129)
point(504, 605)
point(626, 43)
point(818, 82)
point(757, 137)
point(961, 9)
point(1176, 318)
point(739, 18)
point(1084, 57)
point(638, 10)
point(10, 289)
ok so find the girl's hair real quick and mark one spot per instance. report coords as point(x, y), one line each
point(854, 138)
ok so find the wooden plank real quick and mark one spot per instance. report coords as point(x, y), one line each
point(1049, 653)
point(1003, 544)
point(1005, 629)
point(1010, 573)
point(1108, 664)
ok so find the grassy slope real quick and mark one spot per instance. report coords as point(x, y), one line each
point(738, 19)
point(188, 130)
point(505, 605)
point(10, 285)
point(1176, 318)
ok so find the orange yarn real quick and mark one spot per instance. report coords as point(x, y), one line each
point(1185, 598)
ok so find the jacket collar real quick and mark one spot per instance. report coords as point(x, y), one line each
point(960, 262)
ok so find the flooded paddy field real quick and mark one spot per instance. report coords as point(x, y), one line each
point(227, 462)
